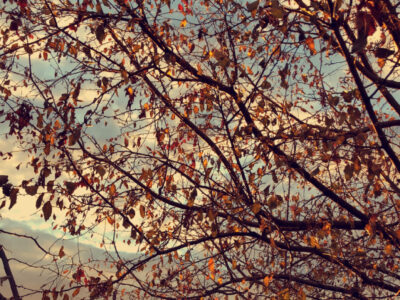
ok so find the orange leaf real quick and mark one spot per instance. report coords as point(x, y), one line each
point(183, 23)
point(130, 91)
point(112, 190)
point(211, 265)
point(311, 45)
point(76, 292)
point(111, 221)
point(267, 280)
point(205, 162)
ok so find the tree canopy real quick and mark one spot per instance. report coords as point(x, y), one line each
point(240, 150)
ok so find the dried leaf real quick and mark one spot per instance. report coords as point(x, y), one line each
point(100, 170)
point(256, 207)
point(383, 52)
point(70, 187)
point(13, 197)
point(267, 280)
point(211, 265)
point(39, 200)
point(3, 180)
point(76, 292)
point(183, 23)
point(142, 211)
point(100, 33)
point(205, 162)
point(112, 190)
point(278, 12)
point(31, 190)
point(61, 253)
point(47, 210)
point(252, 6)
point(310, 43)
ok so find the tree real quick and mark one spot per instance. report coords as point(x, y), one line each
point(239, 149)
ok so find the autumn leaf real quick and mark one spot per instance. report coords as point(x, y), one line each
point(61, 253)
point(211, 267)
point(76, 292)
point(267, 280)
point(13, 197)
point(31, 190)
point(3, 180)
point(112, 190)
point(70, 186)
point(100, 170)
point(310, 43)
point(142, 211)
point(100, 33)
point(383, 52)
point(205, 162)
point(256, 208)
point(39, 200)
point(252, 5)
point(183, 23)
point(47, 210)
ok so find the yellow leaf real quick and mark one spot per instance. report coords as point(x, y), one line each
point(314, 242)
point(183, 23)
point(220, 280)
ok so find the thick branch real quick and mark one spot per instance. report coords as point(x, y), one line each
point(9, 274)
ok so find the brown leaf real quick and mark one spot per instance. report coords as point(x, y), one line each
point(39, 200)
point(61, 253)
point(3, 180)
point(100, 170)
point(70, 187)
point(383, 52)
point(13, 197)
point(31, 190)
point(47, 210)
point(142, 211)
point(100, 33)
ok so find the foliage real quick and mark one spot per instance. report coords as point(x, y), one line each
point(239, 149)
